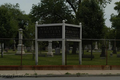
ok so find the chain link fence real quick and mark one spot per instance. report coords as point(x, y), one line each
point(94, 52)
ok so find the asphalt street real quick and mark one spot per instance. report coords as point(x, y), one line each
point(65, 78)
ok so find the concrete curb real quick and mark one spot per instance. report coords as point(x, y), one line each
point(62, 67)
point(37, 76)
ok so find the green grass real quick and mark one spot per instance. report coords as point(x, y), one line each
point(57, 59)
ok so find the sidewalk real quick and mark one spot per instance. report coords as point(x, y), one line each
point(58, 72)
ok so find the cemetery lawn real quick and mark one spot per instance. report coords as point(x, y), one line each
point(72, 59)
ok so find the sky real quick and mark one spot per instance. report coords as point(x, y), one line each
point(108, 11)
point(26, 5)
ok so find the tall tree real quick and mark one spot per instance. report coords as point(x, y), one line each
point(90, 13)
point(11, 19)
point(51, 11)
point(92, 17)
point(75, 5)
point(115, 19)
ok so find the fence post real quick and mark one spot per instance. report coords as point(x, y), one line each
point(91, 49)
point(106, 54)
point(21, 55)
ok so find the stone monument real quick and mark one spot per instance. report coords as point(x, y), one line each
point(110, 47)
point(96, 46)
point(20, 47)
point(57, 51)
point(50, 53)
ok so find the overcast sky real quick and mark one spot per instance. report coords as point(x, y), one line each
point(26, 5)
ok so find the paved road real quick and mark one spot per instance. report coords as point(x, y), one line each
point(65, 78)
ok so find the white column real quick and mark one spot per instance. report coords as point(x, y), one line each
point(36, 52)
point(80, 45)
point(63, 43)
point(20, 35)
point(20, 47)
point(50, 53)
point(63, 52)
point(36, 45)
point(96, 46)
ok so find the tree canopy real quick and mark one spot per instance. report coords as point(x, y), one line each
point(115, 19)
point(51, 11)
point(89, 12)
point(92, 17)
point(7, 21)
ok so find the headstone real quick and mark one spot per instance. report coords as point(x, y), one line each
point(110, 47)
point(6, 49)
point(96, 46)
point(89, 48)
point(77, 50)
point(50, 53)
point(118, 55)
point(86, 47)
point(28, 49)
point(118, 49)
point(114, 50)
point(71, 48)
point(57, 51)
point(20, 47)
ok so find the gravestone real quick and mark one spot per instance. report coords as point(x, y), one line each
point(110, 47)
point(118, 55)
point(28, 49)
point(20, 47)
point(86, 47)
point(96, 46)
point(71, 48)
point(57, 51)
point(6, 49)
point(50, 53)
point(89, 48)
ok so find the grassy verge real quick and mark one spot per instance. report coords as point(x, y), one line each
point(72, 59)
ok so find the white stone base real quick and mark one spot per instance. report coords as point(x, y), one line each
point(50, 54)
point(19, 49)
